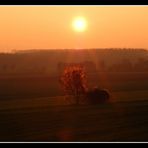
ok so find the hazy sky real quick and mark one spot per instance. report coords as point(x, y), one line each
point(44, 27)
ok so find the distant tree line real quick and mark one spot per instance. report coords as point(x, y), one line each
point(53, 61)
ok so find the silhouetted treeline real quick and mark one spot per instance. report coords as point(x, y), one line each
point(51, 62)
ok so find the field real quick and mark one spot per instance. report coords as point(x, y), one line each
point(40, 114)
point(126, 121)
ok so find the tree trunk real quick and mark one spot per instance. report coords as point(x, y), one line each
point(77, 100)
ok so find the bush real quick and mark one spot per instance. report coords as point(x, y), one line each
point(97, 95)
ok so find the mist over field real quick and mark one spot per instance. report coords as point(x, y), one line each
point(73, 73)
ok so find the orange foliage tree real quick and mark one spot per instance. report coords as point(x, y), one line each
point(73, 81)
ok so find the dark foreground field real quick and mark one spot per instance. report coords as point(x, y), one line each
point(44, 120)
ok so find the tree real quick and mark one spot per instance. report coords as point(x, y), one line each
point(73, 81)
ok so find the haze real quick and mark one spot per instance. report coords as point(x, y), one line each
point(50, 27)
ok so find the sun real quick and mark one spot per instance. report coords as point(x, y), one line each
point(79, 24)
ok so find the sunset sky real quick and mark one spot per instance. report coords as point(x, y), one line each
point(45, 27)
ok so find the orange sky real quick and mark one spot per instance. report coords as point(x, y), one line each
point(44, 27)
